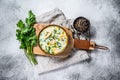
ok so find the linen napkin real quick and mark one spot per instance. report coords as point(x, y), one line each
point(49, 64)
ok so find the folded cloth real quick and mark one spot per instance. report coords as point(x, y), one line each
point(49, 64)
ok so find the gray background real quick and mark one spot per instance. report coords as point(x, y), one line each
point(105, 26)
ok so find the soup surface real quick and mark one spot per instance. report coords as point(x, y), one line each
point(53, 39)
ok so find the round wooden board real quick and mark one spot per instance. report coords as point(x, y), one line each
point(65, 53)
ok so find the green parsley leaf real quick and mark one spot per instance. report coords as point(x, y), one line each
point(27, 37)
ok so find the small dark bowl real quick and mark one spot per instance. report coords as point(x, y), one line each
point(84, 25)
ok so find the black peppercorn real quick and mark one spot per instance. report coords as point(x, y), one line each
point(81, 24)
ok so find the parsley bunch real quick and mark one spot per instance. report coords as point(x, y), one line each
point(25, 33)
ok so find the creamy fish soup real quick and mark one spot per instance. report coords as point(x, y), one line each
point(53, 39)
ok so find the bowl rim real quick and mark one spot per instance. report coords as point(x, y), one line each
point(55, 26)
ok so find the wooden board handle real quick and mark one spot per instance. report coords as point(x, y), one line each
point(83, 44)
point(87, 45)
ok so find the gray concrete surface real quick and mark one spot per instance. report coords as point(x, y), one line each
point(105, 25)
